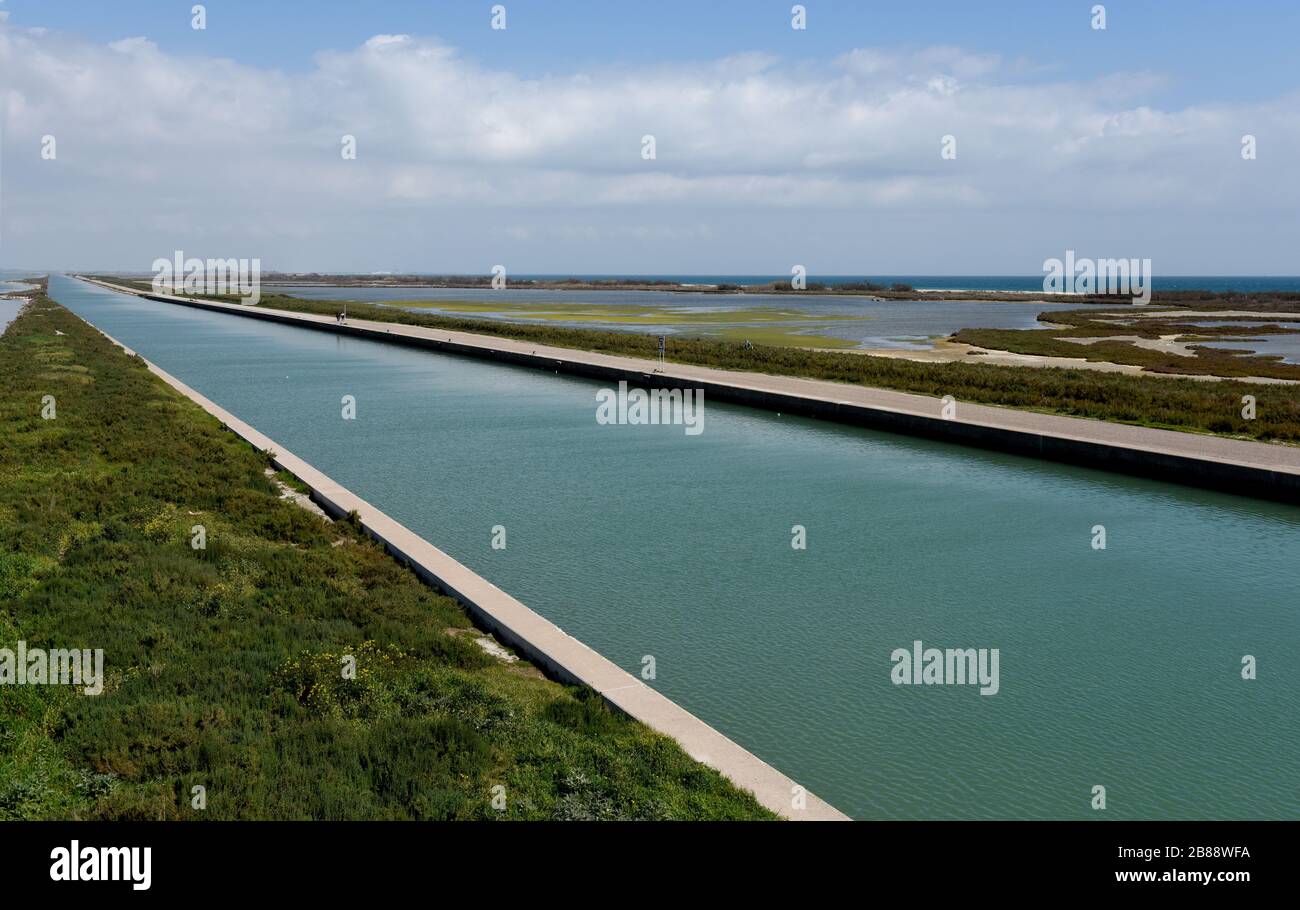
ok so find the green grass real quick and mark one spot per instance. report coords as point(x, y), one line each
point(779, 336)
point(1169, 403)
point(635, 314)
point(758, 325)
point(223, 665)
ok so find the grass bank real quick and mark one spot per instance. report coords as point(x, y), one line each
point(1177, 404)
point(223, 665)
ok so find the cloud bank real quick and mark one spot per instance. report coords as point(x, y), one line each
point(759, 163)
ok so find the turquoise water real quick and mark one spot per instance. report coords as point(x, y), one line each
point(1118, 667)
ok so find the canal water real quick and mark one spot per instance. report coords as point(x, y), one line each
point(1118, 667)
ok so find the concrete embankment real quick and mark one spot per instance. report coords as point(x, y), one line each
point(560, 655)
point(1235, 465)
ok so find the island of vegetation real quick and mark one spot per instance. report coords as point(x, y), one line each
point(1170, 340)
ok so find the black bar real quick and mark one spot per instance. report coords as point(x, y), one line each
point(664, 862)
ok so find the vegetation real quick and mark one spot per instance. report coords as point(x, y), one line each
point(627, 314)
point(223, 665)
point(895, 291)
point(1103, 334)
point(468, 281)
point(1178, 404)
point(840, 287)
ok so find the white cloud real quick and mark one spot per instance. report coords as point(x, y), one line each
point(202, 145)
point(131, 45)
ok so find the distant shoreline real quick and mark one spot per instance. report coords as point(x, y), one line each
point(1011, 288)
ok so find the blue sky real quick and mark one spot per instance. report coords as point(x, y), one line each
point(1209, 49)
point(523, 146)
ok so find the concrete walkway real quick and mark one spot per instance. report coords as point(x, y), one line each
point(1239, 466)
point(541, 641)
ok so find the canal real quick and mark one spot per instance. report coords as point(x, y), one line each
point(1118, 667)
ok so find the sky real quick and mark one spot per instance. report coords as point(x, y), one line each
point(773, 146)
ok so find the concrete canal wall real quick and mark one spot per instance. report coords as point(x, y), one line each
point(541, 641)
point(1234, 465)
